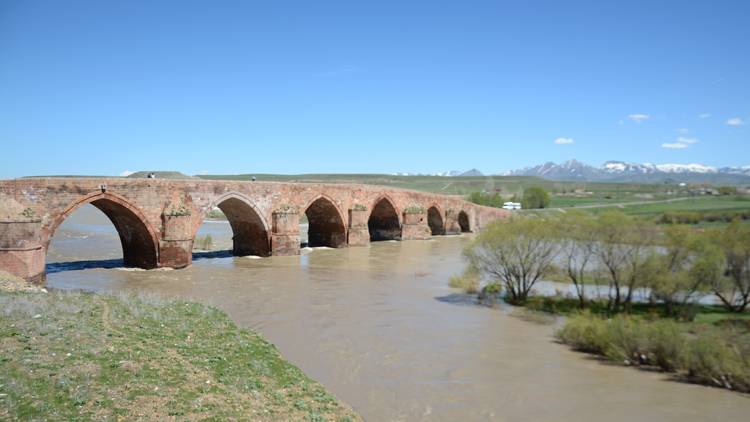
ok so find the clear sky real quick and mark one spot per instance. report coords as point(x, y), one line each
point(102, 87)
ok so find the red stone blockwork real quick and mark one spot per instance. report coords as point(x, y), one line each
point(157, 219)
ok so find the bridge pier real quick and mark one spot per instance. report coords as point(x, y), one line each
point(415, 225)
point(451, 222)
point(359, 234)
point(285, 232)
point(176, 244)
point(21, 251)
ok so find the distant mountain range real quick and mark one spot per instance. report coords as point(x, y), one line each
point(621, 171)
point(455, 173)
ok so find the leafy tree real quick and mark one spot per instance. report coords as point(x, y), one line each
point(535, 197)
point(673, 275)
point(727, 190)
point(623, 249)
point(487, 199)
point(515, 252)
point(734, 288)
point(576, 232)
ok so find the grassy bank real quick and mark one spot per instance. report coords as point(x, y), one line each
point(75, 356)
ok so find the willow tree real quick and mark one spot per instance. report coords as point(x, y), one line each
point(515, 252)
point(623, 249)
point(734, 288)
point(577, 236)
point(677, 273)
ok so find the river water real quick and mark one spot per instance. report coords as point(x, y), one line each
point(381, 329)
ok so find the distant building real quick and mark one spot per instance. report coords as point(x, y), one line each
point(512, 205)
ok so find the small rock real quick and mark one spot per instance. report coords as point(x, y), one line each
point(37, 316)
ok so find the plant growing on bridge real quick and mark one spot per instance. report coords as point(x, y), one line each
point(28, 213)
point(516, 253)
point(414, 209)
point(359, 207)
point(180, 210)
point(287, 209)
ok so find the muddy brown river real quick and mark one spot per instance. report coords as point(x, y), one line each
point(381, 329)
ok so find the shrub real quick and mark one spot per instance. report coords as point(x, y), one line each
point(627, 342)
point(490, 294)
point(204, 243)
point(535, 197)
point(468, 281)
point(714, 356)
point(667, 345)
point(712, 360)
point(584, 333)
point(492, 289)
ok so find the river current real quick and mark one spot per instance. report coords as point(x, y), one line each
point(381, 329)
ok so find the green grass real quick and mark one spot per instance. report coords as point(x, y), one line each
point(700, 203)
point(75, 356)
point(704, 314)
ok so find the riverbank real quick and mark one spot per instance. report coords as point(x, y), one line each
point(70, 355)
point(707, 345)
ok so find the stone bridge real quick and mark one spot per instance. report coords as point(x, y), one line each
point(157, 219)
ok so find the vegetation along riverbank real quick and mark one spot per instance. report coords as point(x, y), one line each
point(656, 279)
point(80, 356)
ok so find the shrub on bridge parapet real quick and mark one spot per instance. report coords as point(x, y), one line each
point(286, 219)
point(414, 209)
point(180, 210)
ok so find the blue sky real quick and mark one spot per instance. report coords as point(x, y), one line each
point(294, 87)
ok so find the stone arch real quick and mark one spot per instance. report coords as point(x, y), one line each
point(250, 231)
point(384, 221)
point(140, 244)
point(326, 223)
point(435, 221)
point(463, 222)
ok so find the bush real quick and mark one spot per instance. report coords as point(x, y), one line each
point(204, 243)
point(585, 333)
point(491, 294)
point(666, 345)
point(712, 360)
point(714, 356)
point(535, 197)
point(468, 281)
point(627, 342)
point(486, 199)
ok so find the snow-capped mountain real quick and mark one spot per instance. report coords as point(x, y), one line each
point(646, 172)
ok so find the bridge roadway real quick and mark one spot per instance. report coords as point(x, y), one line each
point(157, 219)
